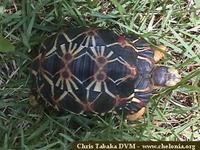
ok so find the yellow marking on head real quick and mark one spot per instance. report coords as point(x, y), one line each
point(175, 80)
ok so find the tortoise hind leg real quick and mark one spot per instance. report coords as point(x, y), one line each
point(159, 52)
point(34, 97)
point(33, 100)
point(136, 116)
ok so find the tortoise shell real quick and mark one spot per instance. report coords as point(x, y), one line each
point(92, 70)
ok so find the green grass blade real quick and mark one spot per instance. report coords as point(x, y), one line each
point(5, 45)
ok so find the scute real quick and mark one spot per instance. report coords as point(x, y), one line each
point(68, 103)
point(87, 67)
point(52, 64)
point(126, 54)
point(91, 70)
point(117, 71)
point(144, 67)
point(126, 88)
point(104, 103)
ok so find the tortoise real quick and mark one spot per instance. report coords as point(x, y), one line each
point(96, 71)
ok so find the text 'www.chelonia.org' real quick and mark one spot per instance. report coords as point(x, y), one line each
point(162, 145)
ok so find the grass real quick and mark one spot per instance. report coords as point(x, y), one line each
point(173, 113)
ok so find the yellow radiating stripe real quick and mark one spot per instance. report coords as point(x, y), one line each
point(112, 44)
point(132, 95)
point(145, 49)
point(69, 88)
point(122, 61)
point(90, 85)
point(58, 56)
point(111, 79)
point(112, 60)
point(87, 79)
point(77, 36)
point(134, 41)
point(127, 44)
point(38, 57)
point(66, 37)
point(74, 47)
point(109, 54)
point(62, 84)
point(135, 100)
point(118, 81)
point(97, 87)
point(47, 79)
point(94, 51)
point(63, 48)
point(102, 50)
point(93, 41)
point(87, 41)
point(142, 90)
point(83, 40)
point(107, 91)
point(76, 98)
point(74, 84)
point(146, 59)
point(53, 49)
point(58, 82)
point(90, 56)
point(62, 96)
point(70, 48)
point(43, 46)
point(87, 94)
point(78, 50)
point(52, 90)
point(98, 50)
point(34, 72)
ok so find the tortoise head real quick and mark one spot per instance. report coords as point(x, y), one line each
point(165, 76)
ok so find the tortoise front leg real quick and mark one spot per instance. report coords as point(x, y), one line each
point(159, 53)
point(136, 116)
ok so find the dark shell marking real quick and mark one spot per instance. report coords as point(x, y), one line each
point(94, 70)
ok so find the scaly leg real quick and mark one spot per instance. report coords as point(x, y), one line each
point(136, 116)
point(159, 52)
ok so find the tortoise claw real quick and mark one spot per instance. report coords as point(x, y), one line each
point(136, 116)
point(159, 52)
point(33, 100)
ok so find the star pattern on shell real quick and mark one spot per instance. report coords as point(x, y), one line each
point(88, 71)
